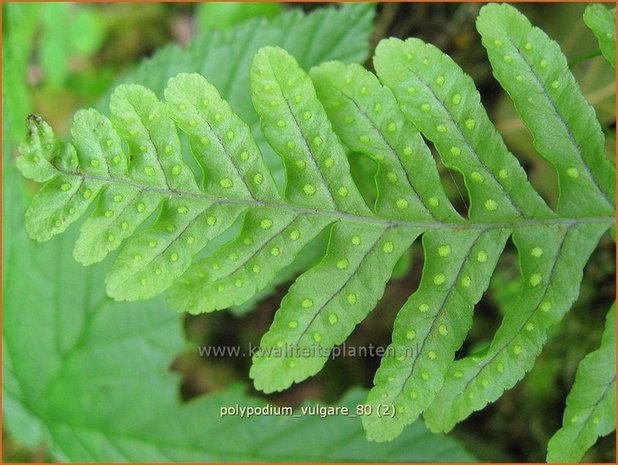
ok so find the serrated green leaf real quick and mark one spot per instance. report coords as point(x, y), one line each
point(602, 22)
point(591, 405)
point(334, 33)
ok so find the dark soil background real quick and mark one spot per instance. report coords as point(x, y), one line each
point(517, 427)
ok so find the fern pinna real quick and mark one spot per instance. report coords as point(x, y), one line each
point(132, 167)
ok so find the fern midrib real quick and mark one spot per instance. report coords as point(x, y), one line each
point(225, 150)
point(516, 224)
point(302, 137)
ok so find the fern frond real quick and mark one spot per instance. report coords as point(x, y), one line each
point(591, 405)
point(132, 163)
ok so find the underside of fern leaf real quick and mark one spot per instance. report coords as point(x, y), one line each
point(131, 167)
point(591, 405)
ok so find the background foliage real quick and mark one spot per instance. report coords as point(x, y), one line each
point(514, 428)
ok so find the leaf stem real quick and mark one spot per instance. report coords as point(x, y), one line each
point(337, 215)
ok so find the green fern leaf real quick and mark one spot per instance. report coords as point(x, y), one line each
point(251, 261)
point(602, 22)
point(435, 338)
point(429, 87)
point(534, 72)
point(444, 105)
point(591, 405)
point(361, 257)
point(133, 165)
point(225, 58)
point(138, 120)
point(552, 276)
point(34, 162)
point(368, 120)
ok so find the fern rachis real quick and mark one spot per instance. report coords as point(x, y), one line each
point(133, 165)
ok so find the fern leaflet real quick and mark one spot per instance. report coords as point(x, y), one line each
point(591, 405)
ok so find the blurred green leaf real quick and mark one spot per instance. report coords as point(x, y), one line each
point(19, 24)
point(66, 30)
point(223, 15)
point(55, 43)
point(86, 31)
point(602, 22)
